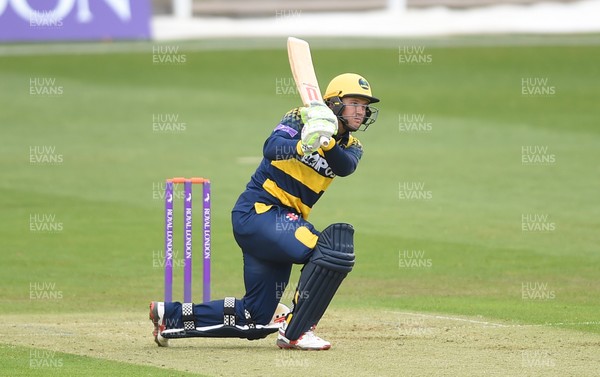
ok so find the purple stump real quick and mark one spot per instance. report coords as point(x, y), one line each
point(206, 243)
point(169, 241)
point(187, 242)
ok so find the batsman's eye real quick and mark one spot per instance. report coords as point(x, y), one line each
point(360, 108)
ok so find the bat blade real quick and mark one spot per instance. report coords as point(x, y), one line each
point(304, 74)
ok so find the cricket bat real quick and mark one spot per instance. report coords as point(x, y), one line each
point(304, 74)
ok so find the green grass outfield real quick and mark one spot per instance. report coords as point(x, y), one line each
point(82, 170)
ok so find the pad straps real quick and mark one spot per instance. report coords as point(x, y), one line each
point(187, 316)
point(249, 320)
point(229, 311)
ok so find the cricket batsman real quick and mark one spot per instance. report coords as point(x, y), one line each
point(270, 224)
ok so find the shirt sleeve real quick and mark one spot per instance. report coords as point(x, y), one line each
point(281, 145)
point(278, 147)
point(343, 161)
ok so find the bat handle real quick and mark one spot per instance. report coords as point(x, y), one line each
point(324, 141)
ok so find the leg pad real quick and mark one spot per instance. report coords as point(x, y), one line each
point(331, 261)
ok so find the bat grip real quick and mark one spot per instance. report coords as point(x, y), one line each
point(324, 141)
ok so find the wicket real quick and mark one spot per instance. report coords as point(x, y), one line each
point(187, 237)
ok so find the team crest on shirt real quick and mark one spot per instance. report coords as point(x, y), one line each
point(290, 216)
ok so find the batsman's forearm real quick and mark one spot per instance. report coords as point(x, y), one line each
point(341, 162)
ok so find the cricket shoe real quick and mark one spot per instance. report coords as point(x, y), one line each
point(307, 341)
point(157, 316)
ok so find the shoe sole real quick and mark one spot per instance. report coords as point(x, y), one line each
point(286, 346)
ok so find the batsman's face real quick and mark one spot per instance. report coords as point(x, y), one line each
point(355, 111)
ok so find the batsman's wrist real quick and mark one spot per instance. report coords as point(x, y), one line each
point(329, 146)
point(299, 148)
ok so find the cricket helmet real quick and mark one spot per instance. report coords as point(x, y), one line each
point(350, 85)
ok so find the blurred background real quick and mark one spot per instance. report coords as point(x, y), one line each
point(190, 19)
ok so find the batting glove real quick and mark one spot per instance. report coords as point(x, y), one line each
point(319, 123)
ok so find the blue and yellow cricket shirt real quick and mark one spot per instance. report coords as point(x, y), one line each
point(286, 177)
